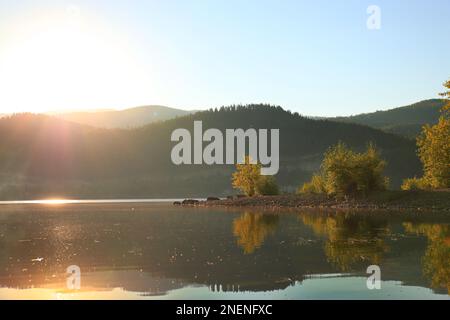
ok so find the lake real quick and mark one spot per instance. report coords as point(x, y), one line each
point(153, 250)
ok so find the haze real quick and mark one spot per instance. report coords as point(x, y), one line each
point(313, 57)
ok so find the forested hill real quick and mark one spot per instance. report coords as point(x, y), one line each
point(45, 156)
point(128, 118)
point(407, 120)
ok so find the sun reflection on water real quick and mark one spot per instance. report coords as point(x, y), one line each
point(54, 201)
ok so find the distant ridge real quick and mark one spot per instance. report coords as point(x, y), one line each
point(43, 156)
point(128, 118)
point(406, 121)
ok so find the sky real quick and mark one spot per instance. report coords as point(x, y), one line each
point(318, 58)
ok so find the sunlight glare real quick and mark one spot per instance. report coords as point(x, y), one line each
point(55, 201)
point(65, 60)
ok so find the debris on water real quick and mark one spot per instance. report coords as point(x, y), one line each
point(38, 259)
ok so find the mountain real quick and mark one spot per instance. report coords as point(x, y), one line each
point(406, 121)
point(42, 156)
point(128, 118)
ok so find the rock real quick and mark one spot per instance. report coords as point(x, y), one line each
point(212, 199)
point(177, 203)
point(189, 202)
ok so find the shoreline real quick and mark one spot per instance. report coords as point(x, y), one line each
point(388, 200)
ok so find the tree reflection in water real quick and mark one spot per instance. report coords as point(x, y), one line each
point(157, 249)
point(251, 229)
point(436, 261)
point(350, 239)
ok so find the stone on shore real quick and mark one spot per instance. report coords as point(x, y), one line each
point(189, 202)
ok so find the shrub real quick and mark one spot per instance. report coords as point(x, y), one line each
point(345, 172)
point(249, 180)
point(414, 184)
point(316, 185)
point(267, 186)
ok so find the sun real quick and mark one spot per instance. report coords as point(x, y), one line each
point(66, 60)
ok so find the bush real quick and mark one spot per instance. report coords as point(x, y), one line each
point(316, 185)
point(267, 186)
point(345, 172)
point(415, 184)
point(249, 180)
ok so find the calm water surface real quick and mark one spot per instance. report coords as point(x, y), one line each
point(130, 250)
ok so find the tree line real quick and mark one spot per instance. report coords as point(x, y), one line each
point(345, 172)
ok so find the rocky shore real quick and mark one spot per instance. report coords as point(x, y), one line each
point(389, 200)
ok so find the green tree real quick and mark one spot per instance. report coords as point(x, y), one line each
point(345, 172)
point(414, 184)
point(267, 186)
point(249, 180)
point(369, 169)
point(316, 185)
point(246, 177)
point(434, 149)
point(434, 152)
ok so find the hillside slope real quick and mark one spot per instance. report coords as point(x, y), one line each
point(43, 156)
point(128, 118)
point(407, 120)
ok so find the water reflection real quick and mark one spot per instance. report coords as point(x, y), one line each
point(159, 250)
point(251, 229)
point(351, 240)
point(436, 261)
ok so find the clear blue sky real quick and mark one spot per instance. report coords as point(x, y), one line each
point(314, 57)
